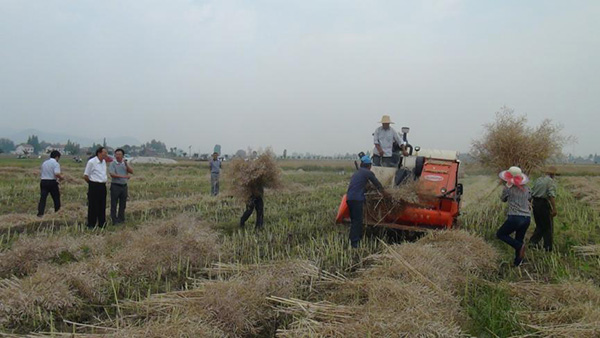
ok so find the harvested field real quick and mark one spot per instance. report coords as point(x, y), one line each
point(585, 188)
point(180, 266)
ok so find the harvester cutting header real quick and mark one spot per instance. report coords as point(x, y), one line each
point(420, 187)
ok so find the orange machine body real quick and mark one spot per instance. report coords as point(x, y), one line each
point(440, 176)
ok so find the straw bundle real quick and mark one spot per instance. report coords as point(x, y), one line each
point(410, 193)
point(251, 177)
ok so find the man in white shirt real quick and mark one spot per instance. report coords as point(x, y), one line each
point(50, 174)
point(95, 176)
point(384, 138)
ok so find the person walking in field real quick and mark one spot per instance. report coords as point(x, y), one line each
point(384, 138)
point(95, 176)
point(50, 175)
point(120, 172)
point(214, 166)
point(518, 197)
point(544, 208)
point(355, 198)
point(255, 202)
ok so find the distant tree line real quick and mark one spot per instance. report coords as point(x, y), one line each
point(152, 148)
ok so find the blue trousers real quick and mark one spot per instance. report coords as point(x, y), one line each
point(518, 225)
point(356, 219)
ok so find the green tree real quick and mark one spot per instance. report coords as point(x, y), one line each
point(157, 146)
point(44, 145)
point(35, 143)
point(72, 147)
point(127, 149)
point(7, 145)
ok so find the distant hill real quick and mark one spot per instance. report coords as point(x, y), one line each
point(21, 136)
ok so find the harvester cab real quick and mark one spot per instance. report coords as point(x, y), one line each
point(433, 177)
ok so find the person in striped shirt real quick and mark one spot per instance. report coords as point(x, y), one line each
point(518, 197)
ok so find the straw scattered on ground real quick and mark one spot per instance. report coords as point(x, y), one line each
point(68, 273)
point(566, 309)
point(409, 290)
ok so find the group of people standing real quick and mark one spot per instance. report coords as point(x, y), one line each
point(521, 201)
point(96, 175)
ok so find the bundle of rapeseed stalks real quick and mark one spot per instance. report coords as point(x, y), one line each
point(409, 193)
point(251, 177)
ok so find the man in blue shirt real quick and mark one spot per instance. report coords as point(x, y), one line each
point(215, 170)
point(355, 197)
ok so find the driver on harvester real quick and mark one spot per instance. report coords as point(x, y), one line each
point(388, 145)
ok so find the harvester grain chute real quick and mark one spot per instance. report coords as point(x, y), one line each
point(431, 171)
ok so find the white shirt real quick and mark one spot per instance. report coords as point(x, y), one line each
point(385, 138)
point(50, 168)
point(96, 170)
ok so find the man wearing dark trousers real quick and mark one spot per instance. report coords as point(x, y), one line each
point(544, 208)
point(50, 175)
point(355, 197)
point(255, 202)
point(95, 176)
point(120, 172)
point(214, 165)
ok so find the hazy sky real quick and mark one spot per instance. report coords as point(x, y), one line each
point(303, 75)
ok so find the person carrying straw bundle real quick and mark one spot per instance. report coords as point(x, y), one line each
point(518, 197)
point(249, 179)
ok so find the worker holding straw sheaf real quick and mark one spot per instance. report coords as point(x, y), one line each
point(356, 197)
point(249, 179)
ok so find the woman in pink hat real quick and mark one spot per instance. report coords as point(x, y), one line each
point(518, 197)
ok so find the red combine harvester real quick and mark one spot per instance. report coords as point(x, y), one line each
point(437, 172)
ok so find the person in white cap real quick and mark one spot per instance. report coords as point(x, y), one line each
point(384, 138)
point(518, 197)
